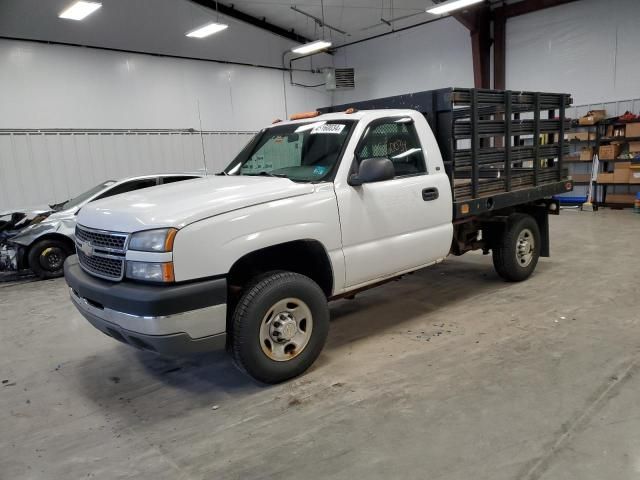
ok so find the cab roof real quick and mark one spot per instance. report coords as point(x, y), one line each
point(358, 115)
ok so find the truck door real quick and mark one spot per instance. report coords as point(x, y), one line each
point(401, 224)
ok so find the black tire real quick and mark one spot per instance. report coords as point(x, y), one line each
point(46, 258)
point(251, 310)
point(506, 261)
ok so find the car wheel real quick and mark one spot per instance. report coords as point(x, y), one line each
point(516, 256)
point(46, 258)
point(280, 325)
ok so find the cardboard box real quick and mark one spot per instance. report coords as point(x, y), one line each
point(622, 172)
point(632, 130)
point(628, 198)
point(594, 117)
point(634, 147)
point(605, 177)
point(581, 177)
point(586, 154)
point(581, 136)
point(609, 152)
point(634, 176)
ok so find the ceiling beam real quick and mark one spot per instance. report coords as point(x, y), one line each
point(530, 6)
point(231, 11)
point(478, 21)
point(499, 50)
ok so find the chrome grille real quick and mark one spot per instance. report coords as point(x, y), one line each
point(101, 253)
point(115, 241)
point(110, 268)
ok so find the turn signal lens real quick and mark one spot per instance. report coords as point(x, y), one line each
point(464, 209)
point(168, 242)
point(167, 272)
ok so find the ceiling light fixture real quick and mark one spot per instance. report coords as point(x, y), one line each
point(80, 10)
point(206, 30)
point(451, 5)
point(312, 47)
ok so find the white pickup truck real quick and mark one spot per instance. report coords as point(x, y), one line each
point(311, 210)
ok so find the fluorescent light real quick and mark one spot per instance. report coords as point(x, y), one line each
point(451, 5)
point(312, 47)
point(206, 30)
point(80, 10)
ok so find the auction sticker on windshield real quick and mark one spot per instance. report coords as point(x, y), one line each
point(328, 128)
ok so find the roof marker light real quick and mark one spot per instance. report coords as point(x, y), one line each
point(303, 115)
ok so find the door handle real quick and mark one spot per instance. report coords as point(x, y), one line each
point(429, 194)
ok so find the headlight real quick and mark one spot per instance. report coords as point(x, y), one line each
point(160, 240)
point(150, 272)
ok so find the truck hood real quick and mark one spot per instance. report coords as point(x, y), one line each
point(182, 203)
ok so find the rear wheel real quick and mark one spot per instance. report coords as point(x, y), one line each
point(46, 258)
point(279, 326)
point(516, 256)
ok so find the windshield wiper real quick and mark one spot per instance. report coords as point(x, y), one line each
point(267, 174)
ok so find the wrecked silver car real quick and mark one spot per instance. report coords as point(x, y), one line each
point(41, 238)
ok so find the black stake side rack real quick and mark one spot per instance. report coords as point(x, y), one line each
point(494, 157)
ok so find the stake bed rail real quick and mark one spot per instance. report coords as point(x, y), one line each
point(494, 158)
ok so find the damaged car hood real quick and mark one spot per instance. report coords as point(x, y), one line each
point(37, 222)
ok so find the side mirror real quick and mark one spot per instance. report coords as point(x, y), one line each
point(373, 170)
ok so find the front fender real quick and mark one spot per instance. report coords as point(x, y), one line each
point(30, 234)
point(211, 246)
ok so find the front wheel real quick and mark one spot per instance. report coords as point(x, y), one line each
point(46, 258)
point(516, 255)
point(279, 326)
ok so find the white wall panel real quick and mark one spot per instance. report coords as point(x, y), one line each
point(45, 167)
point(587, 48)
point(433, 56)
point(53, 87)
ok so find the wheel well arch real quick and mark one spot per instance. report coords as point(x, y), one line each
point(52, 236)
point(307, 257)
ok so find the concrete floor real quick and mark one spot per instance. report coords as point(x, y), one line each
point(448, 374)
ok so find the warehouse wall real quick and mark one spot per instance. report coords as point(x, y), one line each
point(431, 56)
point(61, 87)
point(587, 48)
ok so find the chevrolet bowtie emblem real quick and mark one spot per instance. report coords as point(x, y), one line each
point(87, 249)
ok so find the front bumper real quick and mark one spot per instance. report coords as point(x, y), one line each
point(167, 319)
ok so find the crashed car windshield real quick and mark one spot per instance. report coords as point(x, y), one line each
point(74, 202)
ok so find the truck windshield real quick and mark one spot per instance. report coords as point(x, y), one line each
point(302, 152)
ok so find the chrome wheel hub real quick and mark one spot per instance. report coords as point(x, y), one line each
point(283, 328)
point(286, 329)
point(525, 247)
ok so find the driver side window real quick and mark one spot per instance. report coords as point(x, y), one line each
point(397, 141)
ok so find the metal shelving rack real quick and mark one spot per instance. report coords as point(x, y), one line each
point(580, 179)
point(601, 189)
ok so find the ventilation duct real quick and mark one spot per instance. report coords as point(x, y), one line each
point(339, 78)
